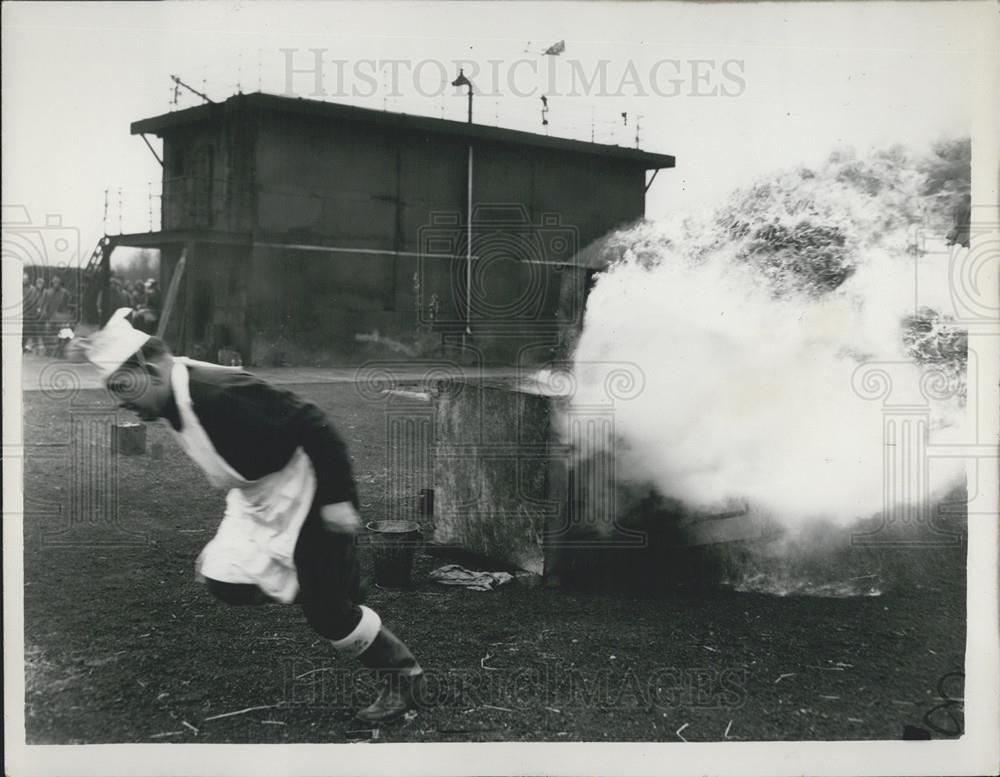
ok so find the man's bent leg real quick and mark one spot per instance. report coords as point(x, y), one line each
point(391, 658)
point(329, 579)
point(330, 592)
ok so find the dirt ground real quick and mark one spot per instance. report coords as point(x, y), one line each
point(122, 645)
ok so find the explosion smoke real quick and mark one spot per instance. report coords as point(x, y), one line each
point(749, 325)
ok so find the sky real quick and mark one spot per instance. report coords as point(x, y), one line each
point(733, 91)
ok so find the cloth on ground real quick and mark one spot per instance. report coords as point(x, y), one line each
point(454, 574)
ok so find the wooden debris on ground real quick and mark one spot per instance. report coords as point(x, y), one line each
point(241, 712)
point(165, 734)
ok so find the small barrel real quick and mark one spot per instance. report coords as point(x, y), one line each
point(394, 544)
point(128, 439)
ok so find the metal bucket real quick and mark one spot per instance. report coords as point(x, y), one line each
point(128, 439)
point(394, 543)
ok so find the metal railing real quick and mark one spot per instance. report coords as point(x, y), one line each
point(180, 202)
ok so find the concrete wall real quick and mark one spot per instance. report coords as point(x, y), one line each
point(208, 171)
point(211, 311)
point(307, 307)
point(499, 484)
point(356, 185)
point(375, 188)
point(319, 308)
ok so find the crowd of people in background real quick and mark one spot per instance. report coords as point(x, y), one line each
point(128, 294)
point(144, 298)
point(49, 312)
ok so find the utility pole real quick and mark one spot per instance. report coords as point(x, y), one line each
point(463, 81)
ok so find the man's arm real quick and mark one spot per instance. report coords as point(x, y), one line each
point(336, 492)
point(315, 433)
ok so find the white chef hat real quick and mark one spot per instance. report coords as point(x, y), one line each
point(111, 347)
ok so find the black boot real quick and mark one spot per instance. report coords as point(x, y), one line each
point(401, 675)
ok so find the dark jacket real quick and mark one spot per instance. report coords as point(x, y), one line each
point(32, 297)
point(54, 304)
point(256, 428)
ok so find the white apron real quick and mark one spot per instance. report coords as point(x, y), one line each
point(255, 542)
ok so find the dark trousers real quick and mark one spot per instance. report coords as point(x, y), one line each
point(329, 580)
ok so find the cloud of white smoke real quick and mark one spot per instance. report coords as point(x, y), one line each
point(749, 329)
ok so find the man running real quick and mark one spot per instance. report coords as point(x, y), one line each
point(288, 533)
